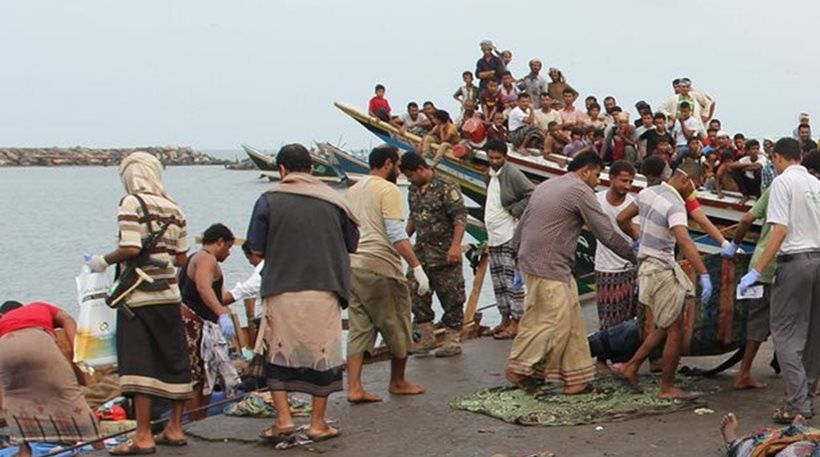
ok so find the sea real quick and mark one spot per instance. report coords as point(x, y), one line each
point(51, 216)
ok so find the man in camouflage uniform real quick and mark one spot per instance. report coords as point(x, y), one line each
point(438, 218)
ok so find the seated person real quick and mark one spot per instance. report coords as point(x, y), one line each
point(592, 119)
point(555, 140)
point(497, 129)
point(747, 171)
point(466, 92)
point(490, 100)
point(620, 141)
point(723, 179)
point(379, 107)
point(653, 137)
point(577, 143)
point(547, 113)
point(795, 440)
point(444, 133)
point(470, 111)
point(523, 131)
point(663, 149)
point(429, 110)
point(412, 121)
point(507, 91)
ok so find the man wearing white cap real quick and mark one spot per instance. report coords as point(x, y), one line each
point(703, 106)
point(489, 66)
point(533, 84)
point(802, 119)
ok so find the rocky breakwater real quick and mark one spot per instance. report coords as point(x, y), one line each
point(80, 156)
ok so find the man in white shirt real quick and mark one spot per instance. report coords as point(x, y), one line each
point(413, 121)
point(521, 124)
point(508, 192)
point(686, 127)
point(702, 105)
point(248, 290)
point(747, 172)
point(794, 215)
point(546, 114)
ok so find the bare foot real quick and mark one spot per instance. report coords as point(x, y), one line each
point(576, 389)
point(602, 368)
point(626, 372)
point(655, 366)
point(680, 394)
point(362, 396)
point(405, 388)
point(728, 428)
point(799, 420)
point(746, 382)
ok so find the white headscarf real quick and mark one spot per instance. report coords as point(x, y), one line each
point(141, 173)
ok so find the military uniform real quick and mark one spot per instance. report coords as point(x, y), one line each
point(434, 211)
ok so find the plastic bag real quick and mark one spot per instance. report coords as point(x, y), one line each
point(95, 342)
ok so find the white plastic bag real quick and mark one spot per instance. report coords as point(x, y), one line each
point(95, 343)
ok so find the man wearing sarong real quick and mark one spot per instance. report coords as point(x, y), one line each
point(152, 356)
point(304, 230)
point(39, 394)
point(380, 298)
point(662, 284)
point(615, 277)
point(200, 283)
point(508, 192)
point(794, 316)
point(438, 218)
point(552, 335)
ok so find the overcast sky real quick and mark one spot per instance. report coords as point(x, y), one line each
point(213, 74)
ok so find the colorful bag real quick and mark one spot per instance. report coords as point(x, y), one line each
point(95, 342)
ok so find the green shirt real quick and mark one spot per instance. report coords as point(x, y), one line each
point(759, 211)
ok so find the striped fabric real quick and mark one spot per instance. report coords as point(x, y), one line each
point(133, 228)
point(661, 208)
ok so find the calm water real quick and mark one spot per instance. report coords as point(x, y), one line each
point(50, 216)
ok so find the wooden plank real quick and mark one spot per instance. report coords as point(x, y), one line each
point(475, 293)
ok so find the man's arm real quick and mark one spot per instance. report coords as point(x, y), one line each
point(703, 221)
point(601, 226)
point(743, 227)
point(258, 226)
point(624, 220)
point(411, 228)
point(688, 248)
point(206, 270)
point(776, 238)
point(121, 254)
point(64, 321)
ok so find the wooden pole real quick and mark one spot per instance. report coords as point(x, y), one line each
point(475, 293)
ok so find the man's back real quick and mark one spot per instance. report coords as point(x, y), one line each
point(661, 208)
point(374, 199)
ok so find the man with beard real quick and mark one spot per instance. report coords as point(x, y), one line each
point(380, 296)
point(508, 192)
point(533, 84)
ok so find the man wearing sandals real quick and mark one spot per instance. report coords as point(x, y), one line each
point(794, 216)
point(663, 286)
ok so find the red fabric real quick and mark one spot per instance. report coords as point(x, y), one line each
point(474, 130)
point(379, 103)
point(692, 204)
point(33, 315)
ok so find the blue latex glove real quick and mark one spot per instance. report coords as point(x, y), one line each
point(748, 280)
point(635, 246)
point(705, 287)
point(730, 249)
point(226, 325)
point(518, 280)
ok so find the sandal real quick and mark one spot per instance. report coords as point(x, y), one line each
point(130, 448)
point(330, 434)
point(276, 435)
point(785, 417)
point(162, 440)
point(505, 334)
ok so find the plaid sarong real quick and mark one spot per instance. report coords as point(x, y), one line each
point(617, 294)
point(510, 299)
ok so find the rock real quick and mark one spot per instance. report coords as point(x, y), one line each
point(82, 156)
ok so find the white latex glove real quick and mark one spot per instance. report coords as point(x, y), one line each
point(421, 278)
point(226, 325)
point(97, 264)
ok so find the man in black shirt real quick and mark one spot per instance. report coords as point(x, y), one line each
point(653, 136)
point(489, 66)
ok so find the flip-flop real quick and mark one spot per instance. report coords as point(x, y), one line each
point(278, 436)
point(162, 440)
point(784, 417)
point(504, 335)
point(330, 434)
point(684, 395)
point(131, 448)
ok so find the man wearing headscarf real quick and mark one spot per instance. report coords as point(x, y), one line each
point(151, 347)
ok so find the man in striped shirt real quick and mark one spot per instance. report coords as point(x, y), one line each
point(662, 284)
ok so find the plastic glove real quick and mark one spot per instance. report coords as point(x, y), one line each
point(705, 287)
point(97, 264)
point(636, 245)
point(729, 249)
point(421, 278)
point(518, 280)
point(748, 280)
point(226, 325)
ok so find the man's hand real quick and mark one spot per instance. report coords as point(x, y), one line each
point(706, 287)
point(421, 278)
point(454, 254)
point(97, 264)
point(226, 325)
point(748, 280)
point(729, 249)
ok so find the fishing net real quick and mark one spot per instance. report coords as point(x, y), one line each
point(609, 401)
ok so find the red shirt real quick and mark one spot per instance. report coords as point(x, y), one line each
point(34, 315)
point(379, 103)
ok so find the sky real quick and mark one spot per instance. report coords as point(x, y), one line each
point(212, 74)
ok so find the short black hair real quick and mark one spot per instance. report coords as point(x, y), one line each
point(551, 124)
point(505, 73)
point(586, 159)
point(466, 72)
point(752, 143)
point(412, 105)
point(246, 248)
point(653, 166)
point(442, 116)
point(428, 102)
point(617, 109)
point(590, 97)
point(693, 138)
point(609, 97)
point(497, 146)
point(379, 87)
point(788, 148)
point(217, 232)
point(621, 166)
point(803, 126)
point(685, 105)
point(727, 156)
point(410, 161)
point(294, 157)
point(739, 136)
point(568, 91)
point(594, 105)
point(808, 146)
point(10, 305)
point(659, 115)
point(715, 121)
point(523, 95)
point(381, 154)
point(812, 162)
point(577, 131)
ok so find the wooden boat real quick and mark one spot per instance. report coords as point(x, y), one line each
point(267, 164)
point(347, 161)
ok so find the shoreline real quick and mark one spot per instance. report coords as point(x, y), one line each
point(12, 157)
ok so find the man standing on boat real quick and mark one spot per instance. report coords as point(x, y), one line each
point(794, 216)
point(489, 66)
point(551, 341)
point(508, 192)
point(615, 277)
point(663, 285)
point(438, 218)
point(380, 297)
